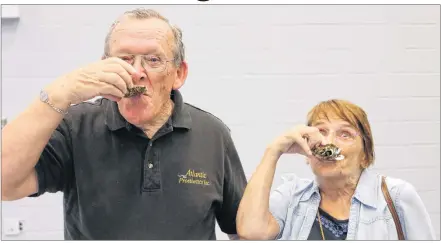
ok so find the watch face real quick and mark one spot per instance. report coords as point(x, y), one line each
point(43, 96)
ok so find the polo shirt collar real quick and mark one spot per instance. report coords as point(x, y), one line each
point(180, 117)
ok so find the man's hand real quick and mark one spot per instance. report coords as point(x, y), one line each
point(109, 78)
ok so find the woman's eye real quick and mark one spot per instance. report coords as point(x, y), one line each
point(322, 131)
point(346, 135)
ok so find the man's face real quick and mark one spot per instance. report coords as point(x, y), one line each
point(136, 41)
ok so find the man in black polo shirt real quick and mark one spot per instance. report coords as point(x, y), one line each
point(143, 167)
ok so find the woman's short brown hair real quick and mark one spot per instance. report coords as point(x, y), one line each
point(351, 113)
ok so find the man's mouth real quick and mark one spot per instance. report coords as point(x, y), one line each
point(137, 97)
point(136, 91)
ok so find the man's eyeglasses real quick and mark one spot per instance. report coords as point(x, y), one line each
point(151, 63)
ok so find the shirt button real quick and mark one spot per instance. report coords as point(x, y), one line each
point(150, 165)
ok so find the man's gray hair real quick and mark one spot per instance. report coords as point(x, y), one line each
point(141, 13)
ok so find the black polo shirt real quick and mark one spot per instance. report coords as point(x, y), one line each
point(118, 184)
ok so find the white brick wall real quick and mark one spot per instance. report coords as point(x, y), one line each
point(268, 65)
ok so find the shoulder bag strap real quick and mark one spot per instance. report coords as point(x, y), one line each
point(391, 206)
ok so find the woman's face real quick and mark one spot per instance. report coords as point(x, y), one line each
point(348, 139)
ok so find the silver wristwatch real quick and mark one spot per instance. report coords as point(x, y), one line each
point(44, 97)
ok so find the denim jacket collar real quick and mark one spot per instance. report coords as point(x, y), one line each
point(366, 191)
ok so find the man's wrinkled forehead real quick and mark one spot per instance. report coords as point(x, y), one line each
point(156, 34)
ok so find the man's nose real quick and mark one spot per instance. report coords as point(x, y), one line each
point(140, 74)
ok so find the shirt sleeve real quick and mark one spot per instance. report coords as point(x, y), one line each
point(54, 167)
point(234, 186)
point(279, 202)
point(414, 217)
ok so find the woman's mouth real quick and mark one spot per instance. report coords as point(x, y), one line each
point(329, 153)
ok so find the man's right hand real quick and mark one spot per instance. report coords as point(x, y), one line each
point(298, 140)
point(109, 78)
point(24, 139)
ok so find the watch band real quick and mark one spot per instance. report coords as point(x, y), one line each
point(44, 97)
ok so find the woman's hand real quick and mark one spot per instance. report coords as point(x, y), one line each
point(298, 140)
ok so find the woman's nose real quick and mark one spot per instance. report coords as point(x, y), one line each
point(328, 139)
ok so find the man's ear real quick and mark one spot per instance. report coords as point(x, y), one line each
point(181, 75)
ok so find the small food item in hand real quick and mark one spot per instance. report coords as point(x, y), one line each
point(137, 90)
point(327, 152)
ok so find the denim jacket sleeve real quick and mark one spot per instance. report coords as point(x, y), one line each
point(280, 201)
point(414, 217)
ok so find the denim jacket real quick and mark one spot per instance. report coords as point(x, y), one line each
point(294, 205)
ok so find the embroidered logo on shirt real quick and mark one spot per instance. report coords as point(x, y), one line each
point(193, 177)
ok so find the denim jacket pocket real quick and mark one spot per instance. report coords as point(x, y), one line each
point(376, 228)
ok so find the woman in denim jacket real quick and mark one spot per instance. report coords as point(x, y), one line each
point(344, 202)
